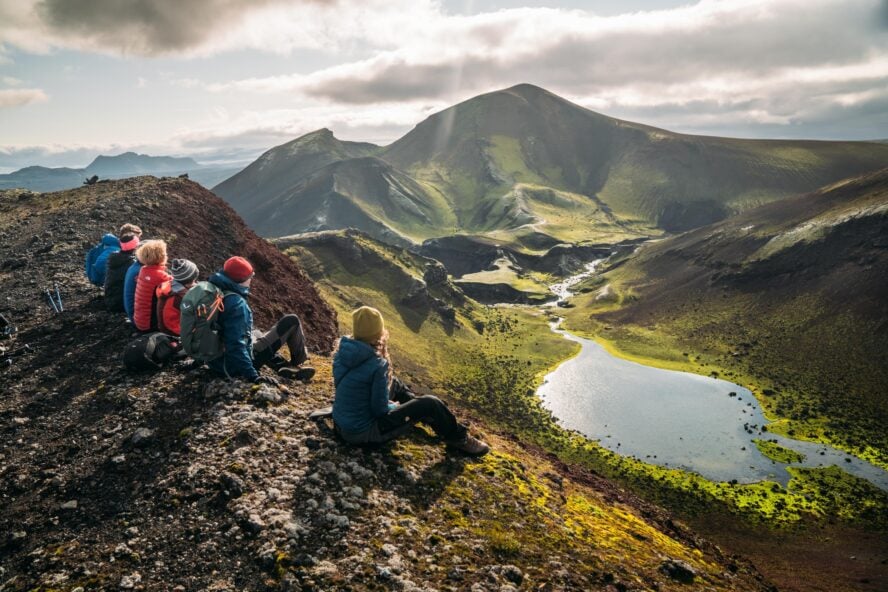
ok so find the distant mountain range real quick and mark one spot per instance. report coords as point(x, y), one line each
point(526, 166)
point(128, 164)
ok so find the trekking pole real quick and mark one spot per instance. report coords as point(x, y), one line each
point(48, 297)
point(58, 296)
point(8, 355)
point(8, 329)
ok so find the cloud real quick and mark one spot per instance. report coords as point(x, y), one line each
point(143, 27)
point(21, 96)
point(379, 123)
point(760, 62)
point(194, 28)
point(582, 53)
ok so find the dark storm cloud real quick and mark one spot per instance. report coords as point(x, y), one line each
point(147, 27)
point(745, 45)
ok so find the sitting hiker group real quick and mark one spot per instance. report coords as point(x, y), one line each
point(137, 280)
point(215, 323)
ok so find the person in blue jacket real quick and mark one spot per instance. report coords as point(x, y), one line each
point(372, 406)
point(129, 287)
point(246, 349)
point(97, 258)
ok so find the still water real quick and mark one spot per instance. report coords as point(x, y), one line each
point(675, 419)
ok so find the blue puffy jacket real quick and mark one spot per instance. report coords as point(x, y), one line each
point(236, 322)
point(361, 379)
point(97, 258)
point(129, 288)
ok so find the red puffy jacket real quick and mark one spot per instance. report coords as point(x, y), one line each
point(144, 315)
point(168, 313)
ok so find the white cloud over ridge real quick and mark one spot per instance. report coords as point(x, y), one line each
point(21, 96)
point(760, 62)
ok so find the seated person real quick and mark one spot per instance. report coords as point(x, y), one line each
point(169, 295)
point(153, 254)
point(246, 349)
point(372, 406)
point(118, 264)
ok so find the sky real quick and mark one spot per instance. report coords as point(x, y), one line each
point(224, 80)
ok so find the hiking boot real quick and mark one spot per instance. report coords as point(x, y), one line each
point(277, 362)
point(469, 445)
point(303, 373)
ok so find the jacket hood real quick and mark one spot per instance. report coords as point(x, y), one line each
point(226, 283)
point(109, 240)
point(352, 352)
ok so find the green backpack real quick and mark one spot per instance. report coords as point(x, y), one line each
point(199, 321)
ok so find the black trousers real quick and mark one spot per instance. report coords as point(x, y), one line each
point(287, 330)
point(412, 409)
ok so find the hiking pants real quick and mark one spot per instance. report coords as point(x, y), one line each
point(412, 409)
point(287, 330)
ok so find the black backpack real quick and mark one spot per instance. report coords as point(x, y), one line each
point(150, 351)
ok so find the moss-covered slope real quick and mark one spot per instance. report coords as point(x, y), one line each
point(788, 298)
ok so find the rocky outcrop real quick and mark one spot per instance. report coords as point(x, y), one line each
point(498, 293)
point(463, 254)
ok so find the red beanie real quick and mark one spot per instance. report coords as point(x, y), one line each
point(238, 269)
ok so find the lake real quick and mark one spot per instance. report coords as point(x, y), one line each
point(675, 419)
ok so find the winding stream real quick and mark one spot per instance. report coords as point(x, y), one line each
point(674, 419)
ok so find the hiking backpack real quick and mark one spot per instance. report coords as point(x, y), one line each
point(150, 352)
point(199, 321)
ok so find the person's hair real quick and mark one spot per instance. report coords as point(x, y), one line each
point(153, 252)
point(381, 347)
point(130, 229)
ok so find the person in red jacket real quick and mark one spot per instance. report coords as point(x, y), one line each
point(153, 273)
point(169, 294)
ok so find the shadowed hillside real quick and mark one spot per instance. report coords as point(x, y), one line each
point(366, 192)
point(789, 297)
point(256, 191)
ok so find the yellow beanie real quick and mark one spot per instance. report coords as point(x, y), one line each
point(368, 324)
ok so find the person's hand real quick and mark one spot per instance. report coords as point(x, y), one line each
point(270, 380)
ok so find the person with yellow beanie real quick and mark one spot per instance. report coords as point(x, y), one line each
point(372, 406)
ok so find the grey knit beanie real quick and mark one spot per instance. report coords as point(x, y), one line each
point(183, 270)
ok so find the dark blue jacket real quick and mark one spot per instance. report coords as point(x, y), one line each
point(97, 258)
point(361, 379)
point(236, 322)
point(129, 288)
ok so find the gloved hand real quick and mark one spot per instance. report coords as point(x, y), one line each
point(271, 380)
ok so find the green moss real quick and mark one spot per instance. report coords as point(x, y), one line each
point(778, 453)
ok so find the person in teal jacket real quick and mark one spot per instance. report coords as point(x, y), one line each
point(372, 406)
point(247, 350)
point(97, 258)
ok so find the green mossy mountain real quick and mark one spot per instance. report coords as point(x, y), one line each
point(522, 162)
point(788, 298)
